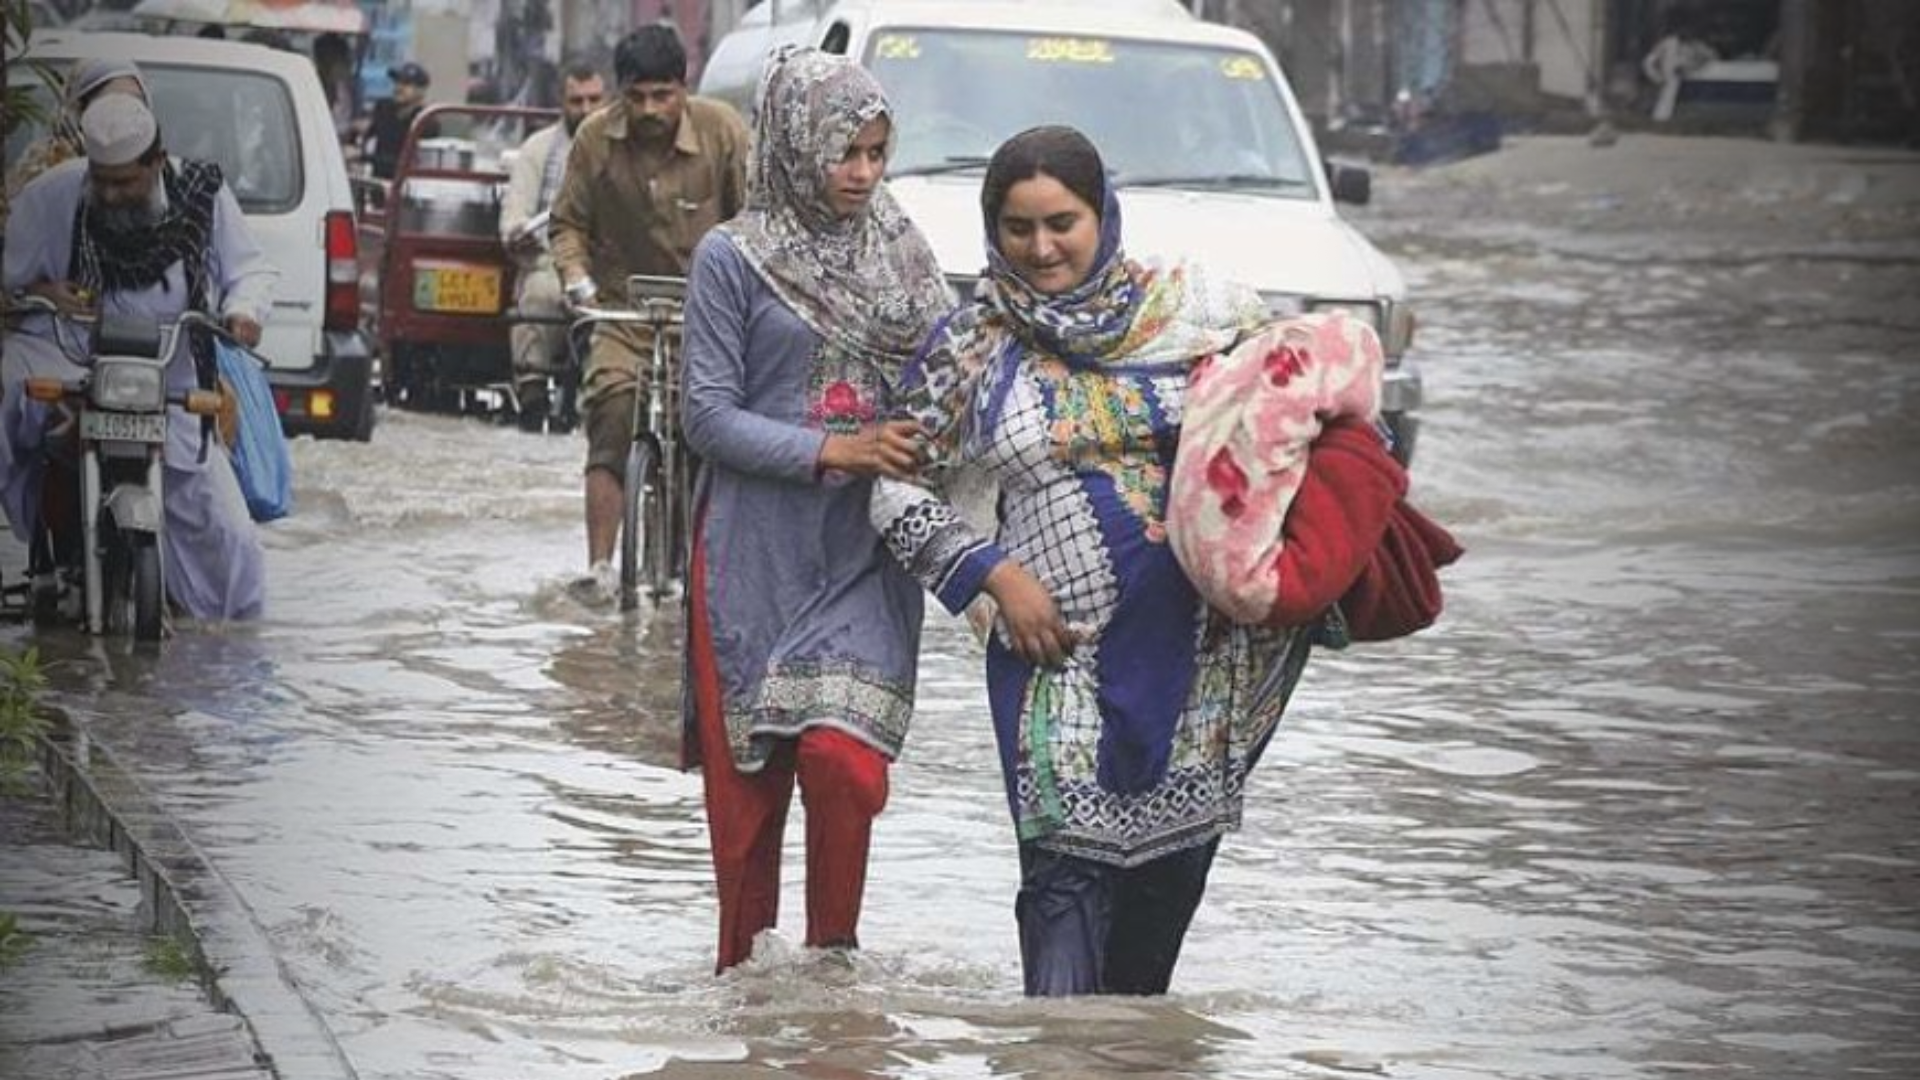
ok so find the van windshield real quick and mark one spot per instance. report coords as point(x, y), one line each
point(1161, 113)
point(240, 120)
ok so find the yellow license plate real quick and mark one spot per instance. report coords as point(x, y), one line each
point(465, 290)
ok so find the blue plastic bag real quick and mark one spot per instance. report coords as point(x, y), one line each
point(260, 456)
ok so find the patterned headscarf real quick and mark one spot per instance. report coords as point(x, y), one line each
point(1126, 316)
point(85, 78)
point(92, 73)
point(867, 283)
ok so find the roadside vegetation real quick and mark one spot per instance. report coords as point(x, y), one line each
point(14, 941)
point(22, 679)
point(21, 724)
point(167, 957)
point(18, 101)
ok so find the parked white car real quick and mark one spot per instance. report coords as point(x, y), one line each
point(1196, 121)
point(261, 115)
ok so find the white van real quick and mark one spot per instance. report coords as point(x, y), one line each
point(261, 115)
point(1195, 120)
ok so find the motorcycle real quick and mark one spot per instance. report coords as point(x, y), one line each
point(117, 410)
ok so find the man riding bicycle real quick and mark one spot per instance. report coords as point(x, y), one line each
point(131, 231)
point(644, 182)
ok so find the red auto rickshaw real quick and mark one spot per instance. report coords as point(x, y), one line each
point(437, 284)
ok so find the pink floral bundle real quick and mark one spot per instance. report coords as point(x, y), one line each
point(1252, 417)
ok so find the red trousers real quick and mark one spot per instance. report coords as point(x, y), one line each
point(843, 785)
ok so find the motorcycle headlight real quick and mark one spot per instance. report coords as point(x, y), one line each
point(129, 387)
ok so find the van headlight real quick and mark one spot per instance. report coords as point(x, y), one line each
point(1396, 328)
point(128, 387)
point(1392, 321)
point(1284, 305)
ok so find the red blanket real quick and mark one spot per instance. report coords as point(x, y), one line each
point(1351, 537)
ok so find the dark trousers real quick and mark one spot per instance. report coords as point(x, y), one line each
point(1090, 928)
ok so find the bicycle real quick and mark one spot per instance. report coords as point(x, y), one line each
point(656, 489)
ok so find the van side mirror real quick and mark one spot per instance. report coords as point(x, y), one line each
point(1350, 183)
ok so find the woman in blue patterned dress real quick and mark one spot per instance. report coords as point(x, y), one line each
point(1128, 713)
point(802, 631)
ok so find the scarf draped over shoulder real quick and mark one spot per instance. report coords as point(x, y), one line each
point(869, 283)
point(138, 257)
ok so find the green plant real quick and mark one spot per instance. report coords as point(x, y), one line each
point(14, 941)
point(19, 102)
point(22, 101)
point(168, 958)
point(21, 724)
point(22, 679)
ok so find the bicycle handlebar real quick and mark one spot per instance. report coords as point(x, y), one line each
point(657, 310)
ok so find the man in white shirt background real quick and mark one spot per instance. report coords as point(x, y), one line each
point(539, 348)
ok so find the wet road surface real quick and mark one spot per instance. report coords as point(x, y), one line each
point(1644, 803)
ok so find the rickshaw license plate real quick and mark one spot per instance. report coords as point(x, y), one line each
point(464, 290)
point(123, 427)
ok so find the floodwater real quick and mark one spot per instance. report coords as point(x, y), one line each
point(1645, 803)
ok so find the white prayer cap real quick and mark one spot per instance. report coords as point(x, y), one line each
point(117, 129)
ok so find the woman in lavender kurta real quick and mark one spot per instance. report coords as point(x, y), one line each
point(183, 244)
point(802, 632)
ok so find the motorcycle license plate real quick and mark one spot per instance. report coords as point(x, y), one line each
point(461, 290)
point(123, 427)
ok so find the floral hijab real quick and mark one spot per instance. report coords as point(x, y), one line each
point(868, 283)
point(1124, 313)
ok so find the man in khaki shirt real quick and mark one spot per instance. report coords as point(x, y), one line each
point(644, 182)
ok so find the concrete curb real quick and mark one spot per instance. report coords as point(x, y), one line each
point(184, 897)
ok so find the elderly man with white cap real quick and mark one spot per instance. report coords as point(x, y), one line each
point(133, 232)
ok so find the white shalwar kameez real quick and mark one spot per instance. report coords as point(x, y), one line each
point(214, 565)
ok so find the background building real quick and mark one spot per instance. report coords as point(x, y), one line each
point(1799, 69)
